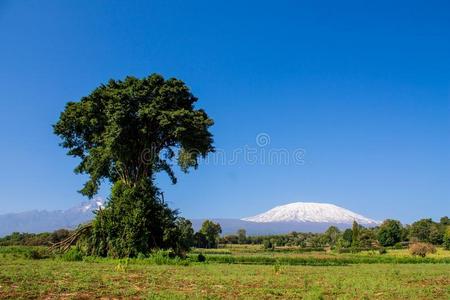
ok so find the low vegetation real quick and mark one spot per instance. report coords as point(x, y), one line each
point(234, 271)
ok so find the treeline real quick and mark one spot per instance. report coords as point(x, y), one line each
point(34, 239)
point(207, 237)
point(391, 233)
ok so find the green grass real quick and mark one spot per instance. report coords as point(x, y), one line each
point(20, 278)
point(268, 275)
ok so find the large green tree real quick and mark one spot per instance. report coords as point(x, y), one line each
point(390, 232)
point(211, 231)
point(125, 132)
point(426, 230)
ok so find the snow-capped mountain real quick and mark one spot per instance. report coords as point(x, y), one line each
point(36, 221)
point(311, 212)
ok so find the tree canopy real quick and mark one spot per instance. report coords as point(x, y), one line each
point(390, 232)
point(129, 130)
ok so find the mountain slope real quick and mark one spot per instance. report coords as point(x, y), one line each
point(41, 221)
point(311, 212)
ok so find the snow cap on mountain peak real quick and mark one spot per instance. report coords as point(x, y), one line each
point(311, 212)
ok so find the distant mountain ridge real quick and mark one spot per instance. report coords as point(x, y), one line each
point(298, 216)
point(36, 221)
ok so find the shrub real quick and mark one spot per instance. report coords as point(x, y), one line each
point(37, 253)
point(73, 254)
point(161, 257)
point(421, 249)
point(382, 250)
point(268, 245)
point(201, 258)
point(398, 246)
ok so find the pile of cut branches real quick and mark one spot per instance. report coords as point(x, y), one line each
point(64, 245)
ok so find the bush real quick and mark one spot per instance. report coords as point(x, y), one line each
point(73, 254)
point(382, 250)
point(201, 258)
point(268, 245)
point(398, 246)
point(161, 257)
point(421, 249)
point(39, 253)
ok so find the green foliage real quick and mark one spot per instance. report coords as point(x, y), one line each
point(427, 231)
point(201, 258)
point(445, 221)
point(446, 243)
point(242, 236)
point(268, 245)
point(134, 221)
point(382, 250)
point(181, 236)
point(348, 236)
point(355, 234)
point(129, 130)
point(200, 240)
point(37, 253)
point(125, 132)
point(332, 235)
point(34, 239)
point(73, 254)
point(390, 232)
point(211, 231)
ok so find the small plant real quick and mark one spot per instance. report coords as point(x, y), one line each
point(122, 266)
point(201, 258)
point(382, 250)
point(421, 249)
point(277, 268)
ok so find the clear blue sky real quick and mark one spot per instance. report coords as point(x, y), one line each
point(363, 88)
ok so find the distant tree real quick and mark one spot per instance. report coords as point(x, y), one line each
point(332, 235)
point(125, 132)
point(182, 236)
point(230, 239)
point(347, 236)
point(367, 238)
point(445, 221)
point(59, 235)
point(426, 230)
point(200, 240)
point(242, 236)
point(212, 233)
point(355, 234)
point(390, 232)
point(446, 243)
point(268, 244)
point(405, 232)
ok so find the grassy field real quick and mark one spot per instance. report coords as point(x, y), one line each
point(22, 277)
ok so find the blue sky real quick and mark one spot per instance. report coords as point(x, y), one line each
point(362, 88)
